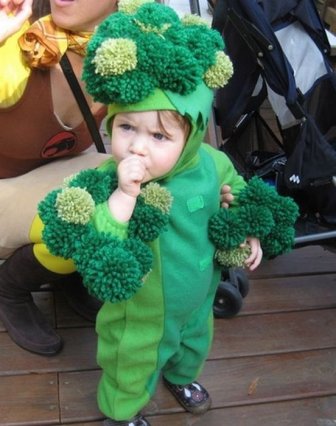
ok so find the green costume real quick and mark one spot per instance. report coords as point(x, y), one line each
point(157, 274)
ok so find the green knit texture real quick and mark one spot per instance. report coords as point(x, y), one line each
point(146, 46)
point(112, 269)
point(261, 213)
point(233, 258)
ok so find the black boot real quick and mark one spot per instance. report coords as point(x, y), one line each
point(78, 297)
point(26, 325)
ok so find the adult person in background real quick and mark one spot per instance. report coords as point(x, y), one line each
point(43, 138)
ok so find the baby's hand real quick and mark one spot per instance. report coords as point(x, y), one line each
point(131, 172)
point(13, 14)
point(253, 261)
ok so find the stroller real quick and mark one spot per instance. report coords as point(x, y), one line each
point(280, 52)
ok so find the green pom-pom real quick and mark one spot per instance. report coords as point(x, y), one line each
point(226, 230)
point(170, 54)
point(279, 241)
point(115, 57)
point(259, 193)
point(220, 73)
point(112, 274)
point(147, 222)
point(131, 6)
point(283, 210)
point(191, 19)
point(286, 211)
point(112, 269)
point(233, 258)
point(46, 207)
point(157, 196)
point(61, 238)
point(67, 180)
point(258, 220)
point(75, 205)
point(148, 28)
point(142, 252)
point(98, 183)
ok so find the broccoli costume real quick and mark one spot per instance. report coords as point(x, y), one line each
point(157, 273)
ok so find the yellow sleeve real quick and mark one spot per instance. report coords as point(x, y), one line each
point(14, 72)
point(55, 264)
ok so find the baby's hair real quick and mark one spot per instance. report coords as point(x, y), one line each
point(174, 116)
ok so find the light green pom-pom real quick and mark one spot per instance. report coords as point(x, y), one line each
point(219, 74)
point(194, 20)
point(233, 258)
point(75, 205)
point(131, 6)
point(157, 196)
point(68, 179)
point(115, 56)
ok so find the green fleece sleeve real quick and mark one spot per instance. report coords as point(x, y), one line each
point(103, 221)
point(226, 171)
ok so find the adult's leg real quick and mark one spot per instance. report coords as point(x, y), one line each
point(26, 325)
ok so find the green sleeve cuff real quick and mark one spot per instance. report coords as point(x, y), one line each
point(103, 221)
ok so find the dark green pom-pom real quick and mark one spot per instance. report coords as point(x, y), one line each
point(98, 183)
point(226, 229)
point(142, 252)
point(112, 274)
point(147, 222)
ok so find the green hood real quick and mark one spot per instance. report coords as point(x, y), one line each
point(196, 107)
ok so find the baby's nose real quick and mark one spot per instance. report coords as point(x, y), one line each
point(139, 146)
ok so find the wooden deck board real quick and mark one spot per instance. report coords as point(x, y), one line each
point(274, 363)
point(29, 399)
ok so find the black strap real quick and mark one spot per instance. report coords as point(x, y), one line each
point(82, 103)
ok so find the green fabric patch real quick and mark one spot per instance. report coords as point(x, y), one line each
point(195, 203)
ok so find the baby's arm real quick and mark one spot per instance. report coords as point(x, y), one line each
point(131, 172)
point(13, 14)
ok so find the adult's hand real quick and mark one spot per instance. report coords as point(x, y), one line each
point(13, 13)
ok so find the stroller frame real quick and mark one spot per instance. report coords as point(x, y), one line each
point(261, 46)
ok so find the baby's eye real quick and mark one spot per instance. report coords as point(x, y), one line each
point(125, 126)
point(159, 136)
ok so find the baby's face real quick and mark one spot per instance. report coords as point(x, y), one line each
point(140, 134)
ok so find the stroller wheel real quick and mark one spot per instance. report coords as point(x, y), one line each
point(228, 300)
point(239, 278)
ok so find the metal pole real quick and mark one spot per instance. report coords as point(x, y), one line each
point(195, 7)
point(321, 236)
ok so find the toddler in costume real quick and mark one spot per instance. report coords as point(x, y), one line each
point(145, 229)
